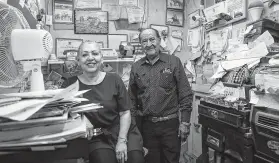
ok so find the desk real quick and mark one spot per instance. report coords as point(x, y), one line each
point(77, 148)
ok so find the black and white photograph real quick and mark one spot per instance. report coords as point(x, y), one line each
point(63, 12)
point(175, 18)
point(175, 4)
point(66, 44)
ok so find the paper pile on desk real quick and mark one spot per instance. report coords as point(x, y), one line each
point(43, 116)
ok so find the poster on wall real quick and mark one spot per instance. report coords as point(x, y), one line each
point(90, 21)
point(82, 4)
point(114, 11)
point(66, 44)
point(63, 12)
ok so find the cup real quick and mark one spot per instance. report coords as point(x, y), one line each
point(255, 13)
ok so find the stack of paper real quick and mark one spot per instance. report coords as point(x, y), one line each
point(42, 117)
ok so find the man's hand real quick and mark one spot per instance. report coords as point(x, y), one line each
point(121, 151)
point(184, 130)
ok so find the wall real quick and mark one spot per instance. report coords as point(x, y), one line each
point(156, 13)
point(194, 143)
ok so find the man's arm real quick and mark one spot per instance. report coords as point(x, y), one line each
point(185, 95)
point(132, 91)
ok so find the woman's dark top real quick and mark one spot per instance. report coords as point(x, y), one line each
point(112, 95)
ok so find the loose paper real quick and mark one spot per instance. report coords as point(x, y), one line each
point(266, 38)
point(218, 40)
point(135, 14)
point(114, 11)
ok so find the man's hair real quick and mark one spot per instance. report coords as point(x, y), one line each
point(156, 32)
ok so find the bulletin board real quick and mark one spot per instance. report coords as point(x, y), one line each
point(67, 30)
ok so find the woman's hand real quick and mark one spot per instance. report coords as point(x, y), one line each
point(121, 151)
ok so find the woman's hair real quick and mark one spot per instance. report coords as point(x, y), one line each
point(80, 48)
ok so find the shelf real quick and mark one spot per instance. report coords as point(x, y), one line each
point(119, 60)
point(55, 62)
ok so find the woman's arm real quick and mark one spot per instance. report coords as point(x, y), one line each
point(125, 122)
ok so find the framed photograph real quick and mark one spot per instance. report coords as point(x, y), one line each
point(66, 44)
point(109, 53)
point(114, 40)
point(192, 23)
point(90, 21)
point(83, 4)
point(160, 28)
point(175, 4)
point(175, 18)
point(63, 11)
point(138, 47)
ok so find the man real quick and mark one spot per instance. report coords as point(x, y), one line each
point(159, 89)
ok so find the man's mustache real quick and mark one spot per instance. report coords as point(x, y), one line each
point(149, 47)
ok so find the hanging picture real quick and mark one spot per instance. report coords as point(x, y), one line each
point(175, 4)
point(63, 11)
point(175, 18)
point(90, 21)
point(65, 44)
point(82, 4)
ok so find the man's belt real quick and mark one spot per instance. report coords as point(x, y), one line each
point(159, 119)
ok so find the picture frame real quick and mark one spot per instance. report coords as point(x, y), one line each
point(86, 4)
point(90, 21)
point(62, 11)
point(66, 44)
point(192, 23)
point(138, 47)
point(175, 4)
point(160, 28)
point(114, 40)
point(109, 53)
point(175, 18)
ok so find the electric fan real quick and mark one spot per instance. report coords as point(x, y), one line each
point(11, 18)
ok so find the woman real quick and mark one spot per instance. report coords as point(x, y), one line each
point(118, 138)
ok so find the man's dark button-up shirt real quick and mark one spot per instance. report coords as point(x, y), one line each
point(160, 89)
